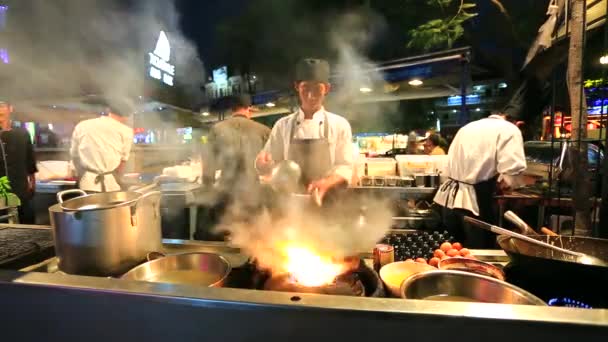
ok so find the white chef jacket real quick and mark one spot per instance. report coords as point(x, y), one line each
point(480, 151)
point(340, 139)
point(100, 145)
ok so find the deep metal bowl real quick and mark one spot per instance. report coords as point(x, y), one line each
point(464, 286)
point(201, 269)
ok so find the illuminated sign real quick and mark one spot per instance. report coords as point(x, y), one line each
point(457, 100)
point(220, 76)
point(160, 61)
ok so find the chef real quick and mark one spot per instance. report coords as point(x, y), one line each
point(320, 142)
point(101, 147)
point(484, 155)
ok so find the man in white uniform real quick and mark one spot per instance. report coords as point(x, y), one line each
point(319, 141)
point(484, 154)
point(100, 147)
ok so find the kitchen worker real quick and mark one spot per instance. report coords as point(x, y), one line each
point(101, 147)
point(484, 155)
point(18, 163)
point(432, 145)
point(412, 144)
point(233, 145)
point(320, 142)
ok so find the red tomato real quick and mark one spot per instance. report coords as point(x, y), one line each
point(434, 261)
point(439, 253)
point(453, 253)
point(421, 260)
point(457, 245)
point(446, 246)
point(444, 257)
point(465, 252)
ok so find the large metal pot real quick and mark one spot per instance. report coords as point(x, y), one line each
point(464, 286)
point(105, 234)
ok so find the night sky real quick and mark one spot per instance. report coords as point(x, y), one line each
point(200, 18)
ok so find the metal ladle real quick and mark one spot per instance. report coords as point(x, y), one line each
point(579, 257)
point(285, 176)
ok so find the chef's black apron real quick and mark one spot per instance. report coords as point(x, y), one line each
point(313, 155)
point(473, 237)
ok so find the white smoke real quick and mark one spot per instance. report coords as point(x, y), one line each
point(69, 48)
point(347, 228)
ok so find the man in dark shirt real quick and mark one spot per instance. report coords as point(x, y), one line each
point(17, 156)
point(233, 145)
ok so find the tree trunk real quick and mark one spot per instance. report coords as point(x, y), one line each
point(582, 182)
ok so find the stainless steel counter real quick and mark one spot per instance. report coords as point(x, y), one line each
point(74, 307)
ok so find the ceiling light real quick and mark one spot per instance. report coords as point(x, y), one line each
point(415, 82)
point(502, 85)
point(478, 109)
point(205, 113)
point(270, 105)
point(454, 111)
point(604, 60)
point(365, 89)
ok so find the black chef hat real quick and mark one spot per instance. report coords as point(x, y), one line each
point(311, 69)
point(119, 106)
point(240, 101)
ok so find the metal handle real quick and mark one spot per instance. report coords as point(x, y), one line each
point(548, 231)
point(134, 207)
point(155, 255)
point(67, 192)
point(502, 231)
point(521, 224)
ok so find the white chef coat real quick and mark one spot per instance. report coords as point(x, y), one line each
point(340, 139)
point(100, 145)
point(480, 151)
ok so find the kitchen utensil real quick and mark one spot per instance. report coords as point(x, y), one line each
point(548, 231)
point(575, 256)
point(395, 273)
point(105, 234)
point(200, 269)
point(473, 266)
point(521, 224)
point(285, 176)
point(445, 285)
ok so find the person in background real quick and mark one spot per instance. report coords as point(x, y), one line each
point(320, 142)
point(412, 143)
point(101, 147)
point(484, 155)
point(432, 145)
point(18, 163)
point(232, 147)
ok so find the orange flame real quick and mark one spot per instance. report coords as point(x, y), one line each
point(309, 268)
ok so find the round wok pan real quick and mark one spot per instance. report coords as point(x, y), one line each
point(542, 260)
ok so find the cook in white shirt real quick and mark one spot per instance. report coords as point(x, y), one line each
point(100, 147)
point(319, 141)
point(484, 154)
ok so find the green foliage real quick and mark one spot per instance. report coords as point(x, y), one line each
point(441, 33)
point(5, 187)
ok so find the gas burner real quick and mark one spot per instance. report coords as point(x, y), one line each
point(344, 285)
point(558, 289)
point(360, 282)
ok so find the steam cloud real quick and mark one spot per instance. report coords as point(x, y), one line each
point(69, 48)
point(352, 226)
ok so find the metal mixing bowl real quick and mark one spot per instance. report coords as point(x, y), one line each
point(464, 285)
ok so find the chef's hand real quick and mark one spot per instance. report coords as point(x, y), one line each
point(325, 184)
point(263, 163)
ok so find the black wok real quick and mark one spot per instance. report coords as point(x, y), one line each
point(544, 261)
